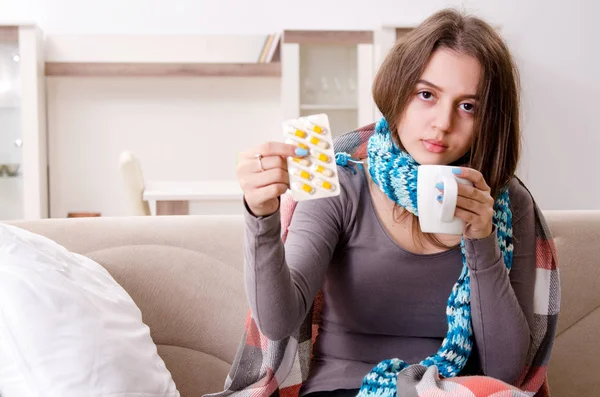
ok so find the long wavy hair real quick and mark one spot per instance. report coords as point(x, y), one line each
point(495, 149)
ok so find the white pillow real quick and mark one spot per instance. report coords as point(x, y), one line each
point(67, 329)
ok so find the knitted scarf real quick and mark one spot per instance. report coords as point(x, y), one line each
point(263, 367)
point(394, 171)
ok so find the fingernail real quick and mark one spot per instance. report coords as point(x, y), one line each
point(456, 170)
point(440, 198)
point(301, 152)
point(439, 186)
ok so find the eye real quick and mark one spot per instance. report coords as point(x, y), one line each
point(426, 95)
point(468, 107)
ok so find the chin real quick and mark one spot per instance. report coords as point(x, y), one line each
point(431, 159)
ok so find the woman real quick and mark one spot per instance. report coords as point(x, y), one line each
point(448, 93)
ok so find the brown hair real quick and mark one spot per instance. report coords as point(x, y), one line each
point(496, 144)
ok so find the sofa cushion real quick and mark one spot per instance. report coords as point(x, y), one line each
point(191, 301)
point(575, 358)
point(196, 373)
point(185, 273)
point(68, 329)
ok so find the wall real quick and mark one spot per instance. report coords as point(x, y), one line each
point(212, 17)
point(179, 128)
point(555, 45)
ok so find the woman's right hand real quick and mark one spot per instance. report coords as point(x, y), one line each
point(263, 175)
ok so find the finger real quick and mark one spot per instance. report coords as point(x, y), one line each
point(475, 224)
point(475, 194)
point(268, 177)
point(277, 149)
point(472, 175)
point(253, 165)
point(266, 193)
point(467, 216)
point(268, 163)
point(473, 206)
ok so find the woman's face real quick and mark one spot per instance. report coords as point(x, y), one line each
point(438, 122)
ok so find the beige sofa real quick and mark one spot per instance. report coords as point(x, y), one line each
point(186, 275)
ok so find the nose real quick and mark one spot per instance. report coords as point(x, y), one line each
point(443, 117)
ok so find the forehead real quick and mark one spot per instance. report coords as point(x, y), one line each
point(453, 72)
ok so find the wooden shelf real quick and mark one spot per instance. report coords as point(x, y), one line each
point(140, 69)
point(402, 31)
point(9, 34)
point(339, 37)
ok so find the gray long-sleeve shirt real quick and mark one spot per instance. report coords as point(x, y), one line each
point(380, 300)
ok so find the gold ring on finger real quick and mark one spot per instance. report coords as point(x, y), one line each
point(259, 158)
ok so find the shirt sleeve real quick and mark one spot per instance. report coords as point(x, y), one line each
point(502, 301)
point(283, 280)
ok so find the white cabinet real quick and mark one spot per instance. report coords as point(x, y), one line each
point(23, 159)
point(384, 40)
point(328, 72)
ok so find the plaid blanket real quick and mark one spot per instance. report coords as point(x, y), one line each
point(263, 367)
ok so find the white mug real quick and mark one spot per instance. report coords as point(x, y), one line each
point(436, 217)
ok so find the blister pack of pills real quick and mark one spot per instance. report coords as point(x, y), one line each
point(314, 176)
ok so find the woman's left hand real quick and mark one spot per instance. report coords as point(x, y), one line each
point(474, 204)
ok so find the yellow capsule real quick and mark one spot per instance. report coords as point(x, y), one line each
point(304, 187)
point(326, 185)
point(302, 161)
point(322, 157)
point(313, 126)
point(303, 174)
point(317, 142)
point(325, 171)
point(296, 143)
point(316, 128)
point(297, 132)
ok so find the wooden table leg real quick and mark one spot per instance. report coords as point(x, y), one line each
point(172, 207)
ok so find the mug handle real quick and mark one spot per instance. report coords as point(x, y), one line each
point(449, 200)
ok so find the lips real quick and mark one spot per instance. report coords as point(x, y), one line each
point(434, 146)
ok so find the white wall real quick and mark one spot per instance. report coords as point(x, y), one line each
point(203, 16)
point(179, 128)
point(556, 46)
point(554, 42)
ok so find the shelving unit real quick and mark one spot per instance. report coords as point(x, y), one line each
point(11, 192)
point(120, 69)
point(384, 39)
point(23, 118)
point(159, 56)
point(328, 72)
point(309, 72)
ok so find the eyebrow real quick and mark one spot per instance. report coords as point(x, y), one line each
point(425, 82)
